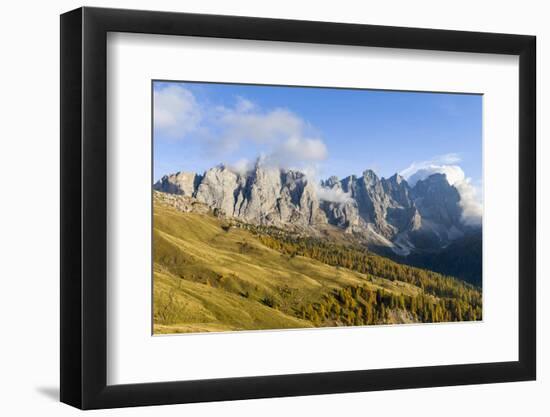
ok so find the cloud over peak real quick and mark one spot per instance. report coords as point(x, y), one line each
point(280, 134)
point(470, 196)
point(442, 164)
point(333, 195)
point(283, 137)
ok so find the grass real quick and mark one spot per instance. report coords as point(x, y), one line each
point(208, 278)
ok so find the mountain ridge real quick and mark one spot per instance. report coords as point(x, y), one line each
point(384, 212)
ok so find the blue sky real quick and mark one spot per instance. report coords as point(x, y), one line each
point(337, 131)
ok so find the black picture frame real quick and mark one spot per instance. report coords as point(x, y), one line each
point(84, 207)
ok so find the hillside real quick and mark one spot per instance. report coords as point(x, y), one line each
point(216, 274)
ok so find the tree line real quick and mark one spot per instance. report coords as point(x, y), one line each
point(361, 260)
point(441, 299)
point(358, 306)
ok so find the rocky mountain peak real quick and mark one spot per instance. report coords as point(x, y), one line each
point(386, 212)
point(181, 183)
point(435, 179)
point(438, 202)
point(396, 179)
point(331, 181)
point(370, 176)
point(435, 185)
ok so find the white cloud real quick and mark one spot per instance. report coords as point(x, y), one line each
point(334, 195)
point(470, 201)
point(296, 149)
point(454, 174)
point(470, 198)
point(424, 169)
point(260, 127)
point(241, 166)
point(176, 112)
point(282, 136)
point(244, 105)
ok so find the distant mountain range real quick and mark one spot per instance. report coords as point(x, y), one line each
point(387, 215)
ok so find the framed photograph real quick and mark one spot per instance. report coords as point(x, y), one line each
point(258, 208)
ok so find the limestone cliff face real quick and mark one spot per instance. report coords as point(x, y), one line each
point(264, 195)
point(217, 189)
point(385, 212)
point(385, 204)
point(181, 183)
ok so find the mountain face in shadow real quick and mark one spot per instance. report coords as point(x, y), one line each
point(461, 259)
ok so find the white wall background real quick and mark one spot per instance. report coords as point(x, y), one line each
point(29, 225)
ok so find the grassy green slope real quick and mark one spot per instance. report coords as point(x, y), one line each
point(210, 279)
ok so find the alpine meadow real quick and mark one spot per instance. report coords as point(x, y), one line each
point(279, 207)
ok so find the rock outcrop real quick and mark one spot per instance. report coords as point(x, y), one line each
point(384, 212)
point(181, 183)
point(265, 195)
